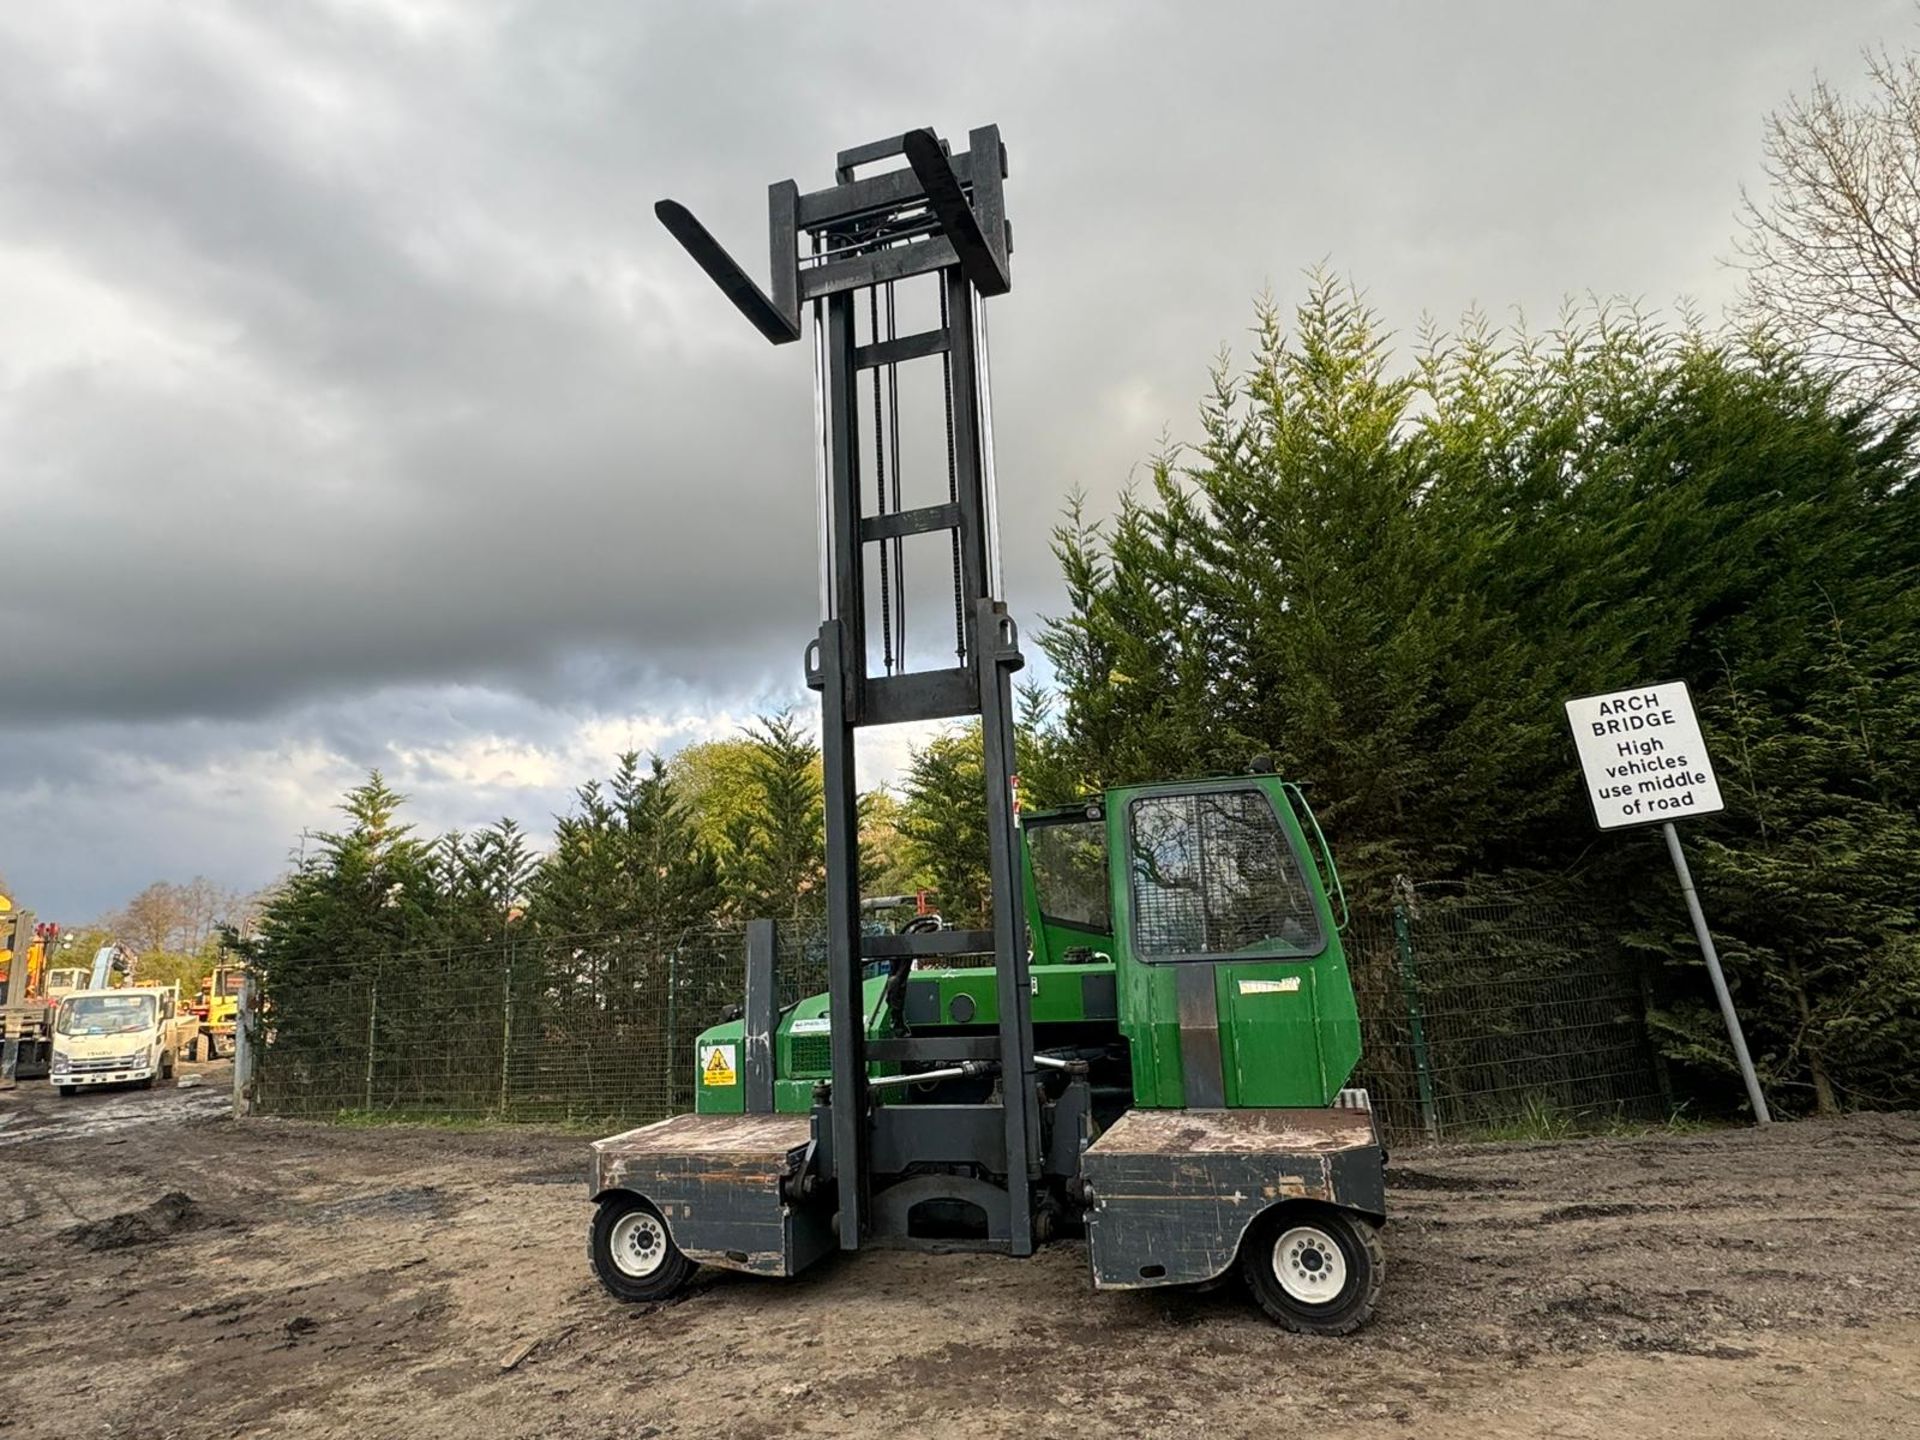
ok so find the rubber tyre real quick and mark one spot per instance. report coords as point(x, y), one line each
point(666, 1281)
point(67, 1092)
point(212, 1046)
point(1359, 1245)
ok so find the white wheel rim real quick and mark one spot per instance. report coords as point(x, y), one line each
point(638, 1243)
point(1310, 1265)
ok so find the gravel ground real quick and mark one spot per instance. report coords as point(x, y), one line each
point(165, 1271)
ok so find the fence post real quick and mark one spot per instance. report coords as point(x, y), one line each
point(1662, 1077)
point(373, 1015)
point(1416, 1022)
point(757, 1016)
point(673, 996)
point(243, 1043)
point(506, 1029)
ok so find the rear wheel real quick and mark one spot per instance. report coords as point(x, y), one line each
point(632, 1252)
point(1315, 1269)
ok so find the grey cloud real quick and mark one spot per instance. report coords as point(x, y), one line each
point(404, 394)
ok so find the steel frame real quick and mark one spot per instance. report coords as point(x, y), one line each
point(944, 214)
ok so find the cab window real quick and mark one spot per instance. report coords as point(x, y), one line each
point(105, 1015)
point(1213, 876)
point(1070, 872)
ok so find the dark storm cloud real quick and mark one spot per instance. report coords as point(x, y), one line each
point(352, 404)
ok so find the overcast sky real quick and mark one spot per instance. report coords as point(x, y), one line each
point(355, 411)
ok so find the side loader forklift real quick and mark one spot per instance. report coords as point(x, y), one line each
point(1158, 1048)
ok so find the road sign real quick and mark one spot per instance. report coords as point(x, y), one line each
point(1646, 764)
point(1643, 756)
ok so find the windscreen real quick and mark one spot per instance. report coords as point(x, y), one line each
point(1213, 875)
point(105, 1015)
point(227, 982)
point(1070, 873)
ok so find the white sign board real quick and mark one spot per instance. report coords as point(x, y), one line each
point(1644, 760)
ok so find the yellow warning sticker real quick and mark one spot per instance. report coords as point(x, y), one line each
point(716, 1065)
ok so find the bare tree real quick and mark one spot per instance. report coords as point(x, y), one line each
point(171, 917)
point(1832, 250)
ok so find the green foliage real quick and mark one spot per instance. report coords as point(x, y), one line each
point(776, 844)
point(1391, 579)
point(1388, 576)
point(890, 864)
point(364, 891)
point(944, 821)
point(626, 859)
point(1044, 756)
point(715, 781)
point(184, 968)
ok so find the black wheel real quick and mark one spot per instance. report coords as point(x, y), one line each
point(1314, 1269)
point(633, 1254)
point(67, 1092)
point(211, 1047)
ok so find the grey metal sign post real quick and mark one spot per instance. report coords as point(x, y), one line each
point(1646, 763)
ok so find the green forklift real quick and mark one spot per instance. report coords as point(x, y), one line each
point(1150, 1044)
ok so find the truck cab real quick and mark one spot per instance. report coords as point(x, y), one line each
point(128, 1035)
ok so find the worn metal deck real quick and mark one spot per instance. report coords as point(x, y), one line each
point(721, 1183)
point(1235, 1132)
point(1174, 1192)
point(736, 1135)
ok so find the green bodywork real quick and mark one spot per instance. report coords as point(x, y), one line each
point(1106, 957)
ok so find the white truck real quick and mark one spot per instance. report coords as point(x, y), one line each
point(133, 1034)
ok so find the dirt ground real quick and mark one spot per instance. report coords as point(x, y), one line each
point(167, 1271)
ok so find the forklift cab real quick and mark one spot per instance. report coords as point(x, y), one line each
point(1218, 917)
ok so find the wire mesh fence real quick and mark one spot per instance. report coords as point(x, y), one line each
point(1474, 1016)
point(1482, 1015)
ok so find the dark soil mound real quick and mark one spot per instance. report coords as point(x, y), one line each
point(172, 1214)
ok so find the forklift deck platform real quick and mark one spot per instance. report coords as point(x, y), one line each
point(727, 1185)
point(1172, 1192)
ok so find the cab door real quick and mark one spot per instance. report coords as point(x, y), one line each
point(1234, 987)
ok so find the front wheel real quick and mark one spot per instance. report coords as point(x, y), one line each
point(1314, 1269)
point(632, 1252)
point(67, 1092)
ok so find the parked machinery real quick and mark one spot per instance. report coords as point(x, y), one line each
point(1159, 1046)
point(26, 992)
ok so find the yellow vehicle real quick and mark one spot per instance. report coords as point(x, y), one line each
point(218, 1007)
point(26, 997)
